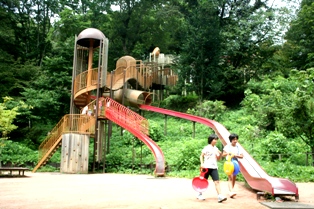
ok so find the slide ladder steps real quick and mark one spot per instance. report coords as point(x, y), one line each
point(44, 159)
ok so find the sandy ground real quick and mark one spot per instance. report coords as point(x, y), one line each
point(78, 191)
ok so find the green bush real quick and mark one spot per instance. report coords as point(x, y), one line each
point(156, 131)
point(290, 171)
point(208, 109)
point(179, 103)
point(183, 154)
point(17, 154)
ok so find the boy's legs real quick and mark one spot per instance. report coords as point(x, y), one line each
point(231, 183)
point(215, 177)
point(217, 186)
point(214, 174)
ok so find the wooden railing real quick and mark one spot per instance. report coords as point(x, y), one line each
point(85, 80)
point(75, 123)
point(71, 123)
point(145, 74)
point(138, 71)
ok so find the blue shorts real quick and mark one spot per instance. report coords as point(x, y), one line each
point(213, 172)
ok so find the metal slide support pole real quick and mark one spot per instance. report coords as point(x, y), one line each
point(193, 129)
point(110, 122)
point(165, 131)
point(123, 95)
point(73, 77)
point(105, 142)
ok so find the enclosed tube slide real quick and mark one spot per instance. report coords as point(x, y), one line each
point(132, 97)
point(253, 173)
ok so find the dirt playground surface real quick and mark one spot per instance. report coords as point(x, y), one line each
point(78, 191)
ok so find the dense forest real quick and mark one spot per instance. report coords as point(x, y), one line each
point(247, 64)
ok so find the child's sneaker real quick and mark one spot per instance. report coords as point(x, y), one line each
point(200, 196)
point(221, 198)
point(232, 194)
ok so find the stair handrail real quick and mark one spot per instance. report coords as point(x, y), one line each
point(70, 123)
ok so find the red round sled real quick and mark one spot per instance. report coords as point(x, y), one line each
point(200, 184)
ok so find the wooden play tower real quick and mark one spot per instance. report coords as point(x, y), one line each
point(98, 98)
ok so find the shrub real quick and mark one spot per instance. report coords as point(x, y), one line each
point(17, 154)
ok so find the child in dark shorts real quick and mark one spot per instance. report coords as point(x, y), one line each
point(208, 158)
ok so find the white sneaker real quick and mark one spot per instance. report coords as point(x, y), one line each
point(200, 196)
point(232, 194)
point(221, 198)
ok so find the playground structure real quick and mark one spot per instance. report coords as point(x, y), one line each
point(130, 84)
point(106, 95)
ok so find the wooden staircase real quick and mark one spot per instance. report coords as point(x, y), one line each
point(71, 123)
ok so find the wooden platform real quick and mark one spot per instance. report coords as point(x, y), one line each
point(13, 170)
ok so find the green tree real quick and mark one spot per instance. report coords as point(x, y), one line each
point(7, 117)
point(225, 44)
point(248, 32)
point(15, 72)
point(299, 47)
point(28, 24)
point(137, 27)
point(209, 109)
point(49, 94)
point(200, 51)
point(6, 121)
point(285, 105)
point(49, 97)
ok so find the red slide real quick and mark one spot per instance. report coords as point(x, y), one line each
point(117, 113)
point(253, 173)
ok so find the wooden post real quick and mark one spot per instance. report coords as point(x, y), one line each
point(165, 131)
point(193, 129)
point(141, 157)
point(105, 144)
point(123, 96)
point(133, 154)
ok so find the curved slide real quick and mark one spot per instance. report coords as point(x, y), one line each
point(253, 173)
point(115, 113)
